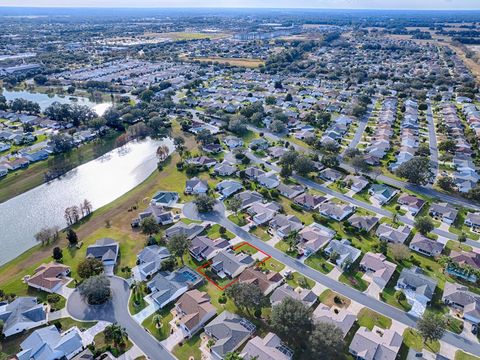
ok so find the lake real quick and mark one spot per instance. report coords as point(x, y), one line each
point(45, 100)
point(100, 181)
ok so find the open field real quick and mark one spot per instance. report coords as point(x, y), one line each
point(240, 62)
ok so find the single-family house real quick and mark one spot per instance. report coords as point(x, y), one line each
point(158, 213)
point(378, 344)
point(265, 281)
point(290, 191)
point(331, 174)
point(336, 210)
point(229, 264)
point(426, 246)
point(377, 268)
point(229, 331)
point(341, 318)
point(167, 287)
point(253, 173)
point(270, 181)
point(270, 347)
point(149, 261)
point(459, 297)
point(308, 201)
point(233, 142)
point(49, 344)
point(314, 237)
point(444, 211)
point(203, 248)
point(262, 213)
point(189, 230)
point(224, 168)
point(473, 220)
point(194, 310)
point(212, 148)
point(22, 314)
point(201, 161)
point(48, 277)
point(196, 186)
point(285, 224)
point(105, 249)
point(382, 193)
point(356, 183)
point(248, 198)
point(228, 187)
point(165, 198)
point(388, 233)
point(421, 286)
point(461, 259)
point(307, 297)
point(411, 203)
point(259, 144)
point(363, 222)
point(345, 253)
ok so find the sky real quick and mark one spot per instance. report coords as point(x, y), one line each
point(328, 4)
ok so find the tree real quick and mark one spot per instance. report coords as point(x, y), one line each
point(233, 356)
point(359, 164)
point(149, 226)
point(95, 290)
point(303, 165)
point(204, 203)
point(326, 339)
point(246, 296)
point(292, 321)
point(115, 334)
point(57, 253)
point(462, 237)
point(89, 267)
point(277, 126)
point(446, 183)
point(72, 237)
point(350, 153)
point(157, 321)
point(178, 245)
point(424, 224)
point(47, 234)
point(415, 170)
point(61, 143)
point(162, 152)
point(400, 296)
point(87, 207)
point(431, 326)
point(292, 240)
point(238, 124)
point(330, 160)
point(234, 204)
point(448, 146)
point(399, 252)
point(2, 325)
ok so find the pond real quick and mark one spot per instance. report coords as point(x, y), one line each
point(100, 181)
point(45, 100)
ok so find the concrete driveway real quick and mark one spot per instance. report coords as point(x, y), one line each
point(116, 311)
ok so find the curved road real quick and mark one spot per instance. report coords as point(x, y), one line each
point(218, 217)
point(116, 310)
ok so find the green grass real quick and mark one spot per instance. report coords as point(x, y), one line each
point(388, 294)
point(137, 303)
point(273, 265)
point(298, 279)
point(239, 219)
point(335, 186)
point(101, 346)
point(303, 215)
point(67, 323)
point(328, 297)
point(458, 226)
point(260, 232)
point(283, 246)
point(354, 280)
point(214, 233)
point(413, 340)
point(319, 263)
point(163, 332)
point(245, 248)
point(460, 355)
point(188, 349)
point(370, 318)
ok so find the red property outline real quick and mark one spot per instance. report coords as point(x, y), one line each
point(201, 268)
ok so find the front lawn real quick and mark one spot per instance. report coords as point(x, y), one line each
point(319, 263)
point(102, 346)
point(354, 279)
point(460, 355)
point(297, 279)
point(331, 298)
point(413, 340)
point(370, 318)
point(283, 246)
point(239, 219)
point(137, 303)
point(260, 232)
point(162, 332)
point(388, 296)
point(189, 349)
point(214, 232)
point(272, 265)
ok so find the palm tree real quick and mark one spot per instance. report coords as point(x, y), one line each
point(292, 240)
point(157, 321)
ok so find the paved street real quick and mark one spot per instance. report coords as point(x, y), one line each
point(324, 280)
point(432, 140)
point(116, 310)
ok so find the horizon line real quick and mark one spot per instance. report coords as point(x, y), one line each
point(229, 7)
